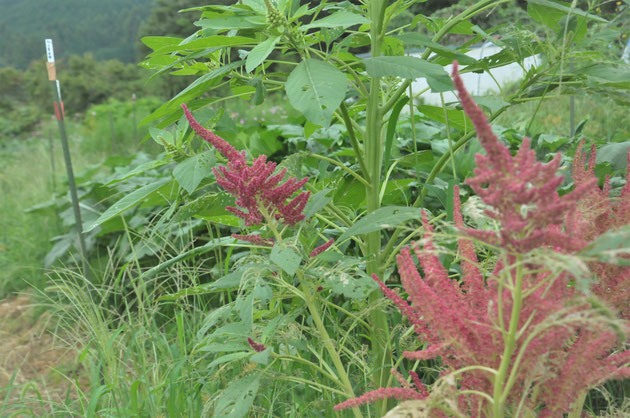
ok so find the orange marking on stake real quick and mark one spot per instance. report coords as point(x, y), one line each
point(52, 73)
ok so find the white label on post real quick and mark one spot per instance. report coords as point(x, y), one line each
point(50, 54)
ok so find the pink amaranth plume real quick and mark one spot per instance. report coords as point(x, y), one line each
point(521, 191)
point(458, 318)
point(379, 394)
point(255, 187)
point(322, 248)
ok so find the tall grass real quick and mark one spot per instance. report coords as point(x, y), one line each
point(25, 180)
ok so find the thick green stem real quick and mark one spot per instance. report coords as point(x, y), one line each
point(500, 391)
point(373, 160)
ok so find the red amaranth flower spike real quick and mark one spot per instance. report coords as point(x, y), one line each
point(459, 317)
point(322, 248)
point(379, 394)
point(256, 346)
point(256, 188)
point(255, 239)
point(219, 143)
point(521, 191)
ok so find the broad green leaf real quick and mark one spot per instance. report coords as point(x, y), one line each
point(173, 107)
point(316, 89)
point(158, 42)
point(212, 318)
point(233, 330)
point(237, 398)
point(552, 141)
point(260, 53)
point(162, 136)
point(612, 247)
point(261, 357)
point(245, 308)
point(382, 218)
point(206, 78)
point(217, 41)
point(350, 192)
point(226, 359)
point(410, 67)
point(191, 171)
point(222, 347)
point(456, 118)
point(418, 39)
point(128, 202)
point(316, 203)
point(149, 165)
point(618, 76)
point(350, 286)
point(341, 18)
point(232, 22)
point(286, 258)
point(416, 159)
point(491, 103)
point(261, 91)
point(616, 154)
point(59, 249)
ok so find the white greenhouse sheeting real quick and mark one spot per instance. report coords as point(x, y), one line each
point(478, 84)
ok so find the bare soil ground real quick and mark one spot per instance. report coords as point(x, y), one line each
point(36, 370)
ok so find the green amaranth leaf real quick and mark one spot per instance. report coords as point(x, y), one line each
point(191, 171)
point(616, 154)
point(237, 398)
point(208, 42)
point(418, 39)
point(260, 53)
point(127, 202)
point(287, 259)
point(382, 218)
point(316, 89)
point(410, 67)
point(316, 203)
point(341, 18)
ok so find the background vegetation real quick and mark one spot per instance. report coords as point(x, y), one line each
point(144, 347)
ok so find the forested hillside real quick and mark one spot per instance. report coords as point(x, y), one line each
point(107, 29)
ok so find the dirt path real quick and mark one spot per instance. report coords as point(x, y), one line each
point(33, 364)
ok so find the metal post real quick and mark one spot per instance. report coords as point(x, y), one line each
point(59, 113)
